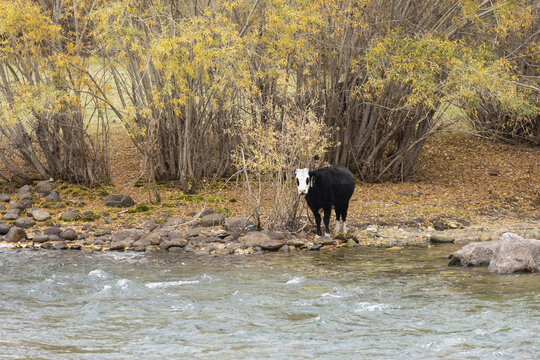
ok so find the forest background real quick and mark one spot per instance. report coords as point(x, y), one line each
point(197, 92)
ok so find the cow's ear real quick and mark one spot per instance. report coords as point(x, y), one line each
point(312, 178)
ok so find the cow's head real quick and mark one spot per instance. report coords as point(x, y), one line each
point(302, 180)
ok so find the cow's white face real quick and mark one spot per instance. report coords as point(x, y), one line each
point(302, 180)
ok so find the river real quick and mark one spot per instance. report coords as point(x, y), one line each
point(344, 304)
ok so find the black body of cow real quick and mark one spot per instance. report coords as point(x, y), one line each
point(330, 187)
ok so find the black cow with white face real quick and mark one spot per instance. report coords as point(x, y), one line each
point(325, 188)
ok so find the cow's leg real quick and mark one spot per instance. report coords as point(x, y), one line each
point(317, 221)
point(327, 213)
point(344, 217)
point(338, 216)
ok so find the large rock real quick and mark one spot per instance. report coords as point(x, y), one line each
point(128, 234)
point(174, 242)
point(5, 198)
point(121, 245)
point(118, 200)
point(515, 255)
point(69, 234)
point(510, 254)
point(259, 239)
point(25, 192)
point(54, 196)
point(213, 219)
point(24, 222)
point(12, 214)
point(43, 188)
point(4, 228)
point(70, 215)
point(41, 215)
point(238, 223)
point(15, 234)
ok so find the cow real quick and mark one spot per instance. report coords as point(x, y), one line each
point(325, 188)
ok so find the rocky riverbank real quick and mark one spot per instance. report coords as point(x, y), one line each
point(36, 217)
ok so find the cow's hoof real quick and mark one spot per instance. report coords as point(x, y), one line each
point(327, 234)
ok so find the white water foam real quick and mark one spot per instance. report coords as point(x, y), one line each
point(296, 280)
point(365, 306)
point(100, 274)
point(165, 284)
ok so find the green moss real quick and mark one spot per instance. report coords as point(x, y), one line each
point(138, 209)
point(90, 217)
point(233, 200)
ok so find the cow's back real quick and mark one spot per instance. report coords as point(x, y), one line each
point(338, 181)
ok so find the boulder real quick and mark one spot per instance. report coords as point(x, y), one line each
point(24, 222)
point(27, 203)
point(259, 239)
point(40, 238)
point(213, 219)
point(15, 205)
point(118, 200)
point(4, 228)
point(149, 225)
point(121, 245)
point(193, 231)
point(238, 223)
point(11, 214)
point(41, 215)
point(174, 242)
point(4, 198)
point(69, 234)
point(441, 239)
point(510, 254)
point(70, 215)
point(53, 230)
point(25, 192)
point(43, 188)
point(15, 234)
point(515, 255)
point(54, 196)
point(128, 234)
point(154, 238)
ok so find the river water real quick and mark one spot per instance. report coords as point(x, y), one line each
point(344, 304)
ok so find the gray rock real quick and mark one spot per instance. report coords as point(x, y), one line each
point(12, 214)
point(27, 203)
point(510, 254)
point(24, 222)
point(54, 196)
point(515, 254)
point(259, 239)
point(128, 234)
point(238, 223)
point(214, 219)
point(4, 198)
point(441, 239)
point(154, 238)
point(54, 238)
point(70, 215)
point(193, 231)
point(15, 205)
point(53, 230)
point(40, 238)
point(60, 246)
point(25, 192)
point(43, 188)
point(474, 254)
point(143, 243)
point(41, 215)
point(121, 245)
point(75, 247)
point(15, 234)
point(2, 207)
point(149, 225)
point(118, 200)
point(175, 242)
point(317, 246)
point(173, 221)
point(69, 234)
point(4, 228)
